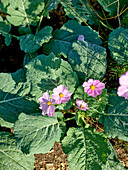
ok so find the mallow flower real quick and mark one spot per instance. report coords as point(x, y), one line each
point(82, 105)
point(93, 87)
point(61, 94)
point(46, 104)
point(123, 88)
point(81, 38)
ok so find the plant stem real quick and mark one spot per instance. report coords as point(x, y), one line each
point(114, 114)
point(41, 18)
point(69, 119)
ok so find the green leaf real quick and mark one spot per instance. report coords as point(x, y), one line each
point(96, 104)
point(72, 29)
point(11, 157)
point(124, 21)
point(89, 150)
point(23, 12)
point(116, 118)
point(80, 10)
point(49, 5)
point(118, 45)
point(112, 6)
point(14, 98)
point(27, 12)
point(6, 124)
point(30, 43)
point(28, 57)
point(8, 39)
point(64, 37)
point(1, 19)
point(36, 134)
point(4, 30)
point(44, 73)
point(24, 30)
point(88, 60)
point(58, 47)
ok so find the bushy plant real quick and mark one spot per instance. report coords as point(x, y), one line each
point(64, 73)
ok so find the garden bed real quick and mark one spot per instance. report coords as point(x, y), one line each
point(12, 59)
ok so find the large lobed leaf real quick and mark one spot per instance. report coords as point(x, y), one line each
point(72, 29)
point(88, 60)
point(112, 6)
point(14, 97)
point(11, 157)
point(116, 118)
point(80, 10)
point(30, 43)
point(36, 134)
point(47, 72)
point(118, 45)
point(26, 12)
point(64, 37)
point(89, 150)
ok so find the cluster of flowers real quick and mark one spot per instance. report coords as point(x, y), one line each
point(91, 87)
point(62, 95)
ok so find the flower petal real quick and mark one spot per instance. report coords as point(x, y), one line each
point(51, 110)
point(46, 96)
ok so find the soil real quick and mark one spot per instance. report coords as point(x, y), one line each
point(11, 59)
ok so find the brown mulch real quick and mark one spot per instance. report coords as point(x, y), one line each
point(53, 160)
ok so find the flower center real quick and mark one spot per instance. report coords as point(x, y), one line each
point(49, 103)
point(61, 95)
point(92, 87)
point(81, 106)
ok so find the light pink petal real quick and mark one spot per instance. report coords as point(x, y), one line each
point(98, 92)
point(89, 92)
point(90, 81)
point(100, 85)
point(55, 96)
point(40, 99)
point(51, 110)
point(44, 112)
point(86, 89)
point(126, 95)
point(123, 80)
point(85, 84)
point(65, 99)
point(79, 102)
point(67, 93)
point(58, 101)
point(85, 105)
point(94, 93)
point(121, 90)
point(96, 82)
point(46, 96)
point(126, 73)
point(61, 88)
point(53, 101)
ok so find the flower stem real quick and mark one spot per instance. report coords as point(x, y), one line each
point(69, 118)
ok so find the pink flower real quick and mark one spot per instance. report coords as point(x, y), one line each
point(46, 104)
point(93, 87)
point(61, 94)
point(81, 38)
point(81, 105)
point(123, 88)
